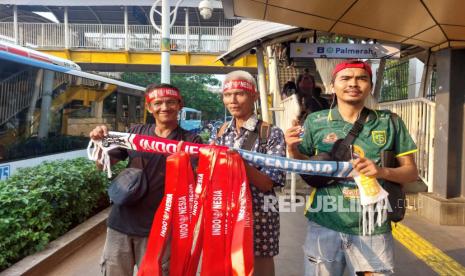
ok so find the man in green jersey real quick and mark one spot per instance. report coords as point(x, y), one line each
point(334, 238)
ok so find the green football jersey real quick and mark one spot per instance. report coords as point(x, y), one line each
point(337, 206)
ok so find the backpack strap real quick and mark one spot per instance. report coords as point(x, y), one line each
point(222, 129)
point(352, 135)
point(393, 117)
point(262, 132)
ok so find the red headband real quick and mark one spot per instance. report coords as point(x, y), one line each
point(352, 64)
point(239, 85)
point(162, 92)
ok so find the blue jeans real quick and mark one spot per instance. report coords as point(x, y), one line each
point(328, 252)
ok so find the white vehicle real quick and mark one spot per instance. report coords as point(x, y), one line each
point(29, 53)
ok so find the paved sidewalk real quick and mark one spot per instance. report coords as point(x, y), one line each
point(450, 239)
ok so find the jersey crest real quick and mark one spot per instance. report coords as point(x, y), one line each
point(379, 137)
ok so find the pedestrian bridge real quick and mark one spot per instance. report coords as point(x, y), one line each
point(119, 47)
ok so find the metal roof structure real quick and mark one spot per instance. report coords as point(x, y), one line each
point(109, 12)
point(427, 23)
point(249, 34)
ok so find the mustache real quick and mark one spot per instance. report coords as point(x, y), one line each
point(352, 90)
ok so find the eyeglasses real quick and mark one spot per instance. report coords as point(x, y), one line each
point(169, 103)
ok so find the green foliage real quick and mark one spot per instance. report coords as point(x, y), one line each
point(39, 204)
point(205, 136)
point(193, 89)
point(395, 81)
point(332, 39)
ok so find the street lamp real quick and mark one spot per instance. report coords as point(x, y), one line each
point(165, 46)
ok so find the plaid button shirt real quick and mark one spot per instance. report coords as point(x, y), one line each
point(266, 223)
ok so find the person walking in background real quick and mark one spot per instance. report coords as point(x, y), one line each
point(313, 104)
point(289, 88)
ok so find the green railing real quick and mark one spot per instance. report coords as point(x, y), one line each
point(395, 82)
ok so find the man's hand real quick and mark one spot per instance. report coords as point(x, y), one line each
point(405, 173)
point(98, 133)
point(179, 146)
point(368, 168)
point(292, 136)
point(293, 139)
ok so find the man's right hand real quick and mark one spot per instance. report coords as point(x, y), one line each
point(98, 133)
point(293, 139)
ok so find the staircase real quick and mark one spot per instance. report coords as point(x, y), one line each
point(15, 94)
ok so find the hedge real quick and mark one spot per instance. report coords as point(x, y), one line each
point(41, 203)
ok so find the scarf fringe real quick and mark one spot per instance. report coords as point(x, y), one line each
point(369, 211)
point(96, 148)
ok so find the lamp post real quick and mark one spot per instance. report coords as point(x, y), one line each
point(165, 46)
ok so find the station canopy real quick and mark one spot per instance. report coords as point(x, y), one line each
point(434, 24)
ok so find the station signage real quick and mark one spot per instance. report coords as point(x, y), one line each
point(344, 50)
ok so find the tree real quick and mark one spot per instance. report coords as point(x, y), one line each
point(193, 87)
point(395, 81)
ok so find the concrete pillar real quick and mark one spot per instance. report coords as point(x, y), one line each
point(47, 90)
point(32, 105)
point(119, 110)
point(379, 80)
point(262, 84)
point(15, 24)
point(65, 21)
point(426, 76)
point(449, 143)
point(165, 42)
point(97, 109)
point(415, 71)
point(132, 109)
point(325, 67)
point(126, 29)
point(187, 29)
point(273, 80)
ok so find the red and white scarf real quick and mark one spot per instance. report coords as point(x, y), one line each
point(213, 219)
point(98, 151)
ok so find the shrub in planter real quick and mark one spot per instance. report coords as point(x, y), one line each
point(40, 203)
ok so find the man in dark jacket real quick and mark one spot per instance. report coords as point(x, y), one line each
point(129, 225)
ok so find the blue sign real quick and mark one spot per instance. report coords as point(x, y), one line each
point(4, 172)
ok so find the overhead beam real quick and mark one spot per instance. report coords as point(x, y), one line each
point(94, 14)
point(122, 59)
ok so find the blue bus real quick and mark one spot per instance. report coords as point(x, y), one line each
point(190, 119)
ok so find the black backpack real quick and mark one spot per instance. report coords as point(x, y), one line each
point(397, 197)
